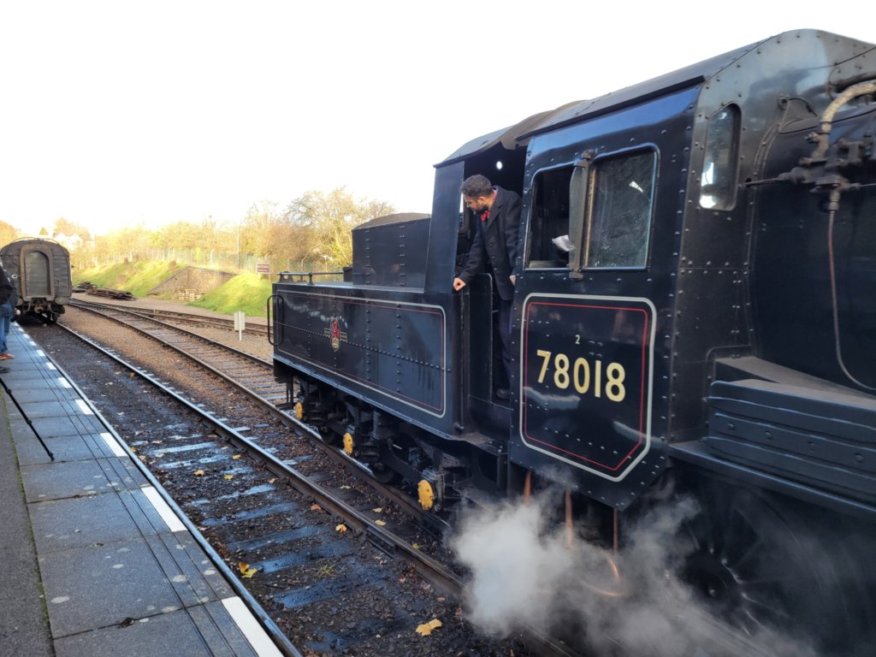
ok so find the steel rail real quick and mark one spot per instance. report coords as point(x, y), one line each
point(218, 322)
point(404, 502)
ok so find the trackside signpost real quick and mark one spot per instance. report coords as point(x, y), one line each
point(239, 323)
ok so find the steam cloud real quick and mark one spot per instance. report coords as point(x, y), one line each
point(523, 577)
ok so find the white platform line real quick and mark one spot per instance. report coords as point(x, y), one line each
point(41, 353)
point(254, 633)
point(84, 407)
point(113, 444)
point(173, 522)
point(64, 382)
point(51, 366)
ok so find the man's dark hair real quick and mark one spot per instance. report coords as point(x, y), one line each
point(477, 185)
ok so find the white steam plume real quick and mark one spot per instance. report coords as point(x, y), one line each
point(523, 576)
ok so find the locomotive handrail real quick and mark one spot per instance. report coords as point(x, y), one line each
point(289, 276)
point(268, 305)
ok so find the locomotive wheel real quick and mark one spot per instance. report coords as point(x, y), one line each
point(768, 566)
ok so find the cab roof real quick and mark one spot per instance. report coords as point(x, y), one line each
point(518, 135)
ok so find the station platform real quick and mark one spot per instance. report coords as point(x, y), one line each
point(95, 560)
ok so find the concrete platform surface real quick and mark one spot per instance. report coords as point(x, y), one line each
point(95, 561)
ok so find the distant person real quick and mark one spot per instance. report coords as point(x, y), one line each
point(494, 249)
point(7, 312)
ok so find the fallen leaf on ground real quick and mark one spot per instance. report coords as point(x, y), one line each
point(341, 528)
point(380, 523)
point(199, 473)
point(246, 570)
point(426, 628)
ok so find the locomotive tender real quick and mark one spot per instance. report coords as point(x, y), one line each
point(712, 328)
point(40, 270)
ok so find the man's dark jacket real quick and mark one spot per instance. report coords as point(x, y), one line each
point(5, 286)
point(495, 243)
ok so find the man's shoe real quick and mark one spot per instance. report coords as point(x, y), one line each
point(503, 393)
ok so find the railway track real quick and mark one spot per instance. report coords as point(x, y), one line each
point(172, 316)
point(252, 374)
point(332, 575)
point(254, 377)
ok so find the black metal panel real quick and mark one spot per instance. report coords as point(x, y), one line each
point(823, 438)
point(392, 350)
point(587, 380)
point(697, 455)
point(479, 352)
point(443, 232)
point(710, 318)
point(389, 251)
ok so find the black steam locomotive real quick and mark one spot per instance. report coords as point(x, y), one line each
point(706, 325)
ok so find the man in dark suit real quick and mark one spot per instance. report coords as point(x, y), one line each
point(494, 249)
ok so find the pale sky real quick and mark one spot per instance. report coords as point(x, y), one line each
point(119, 112)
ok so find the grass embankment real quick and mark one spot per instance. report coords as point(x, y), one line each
point(247, 292)
point(134, 277)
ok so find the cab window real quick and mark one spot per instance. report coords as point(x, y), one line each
point(548, 242)
point(618, 227)
point(718, 182)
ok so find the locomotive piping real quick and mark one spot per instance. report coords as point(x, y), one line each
point(822, 137)
point(860, 89)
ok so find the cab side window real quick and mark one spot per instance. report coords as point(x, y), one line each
point(618, 226)
point(718, 182)
point(548, 239)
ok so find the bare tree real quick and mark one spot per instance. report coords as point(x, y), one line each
point(313, 233)
point(330, 217)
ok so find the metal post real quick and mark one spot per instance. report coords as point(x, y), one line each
point(26, 418)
